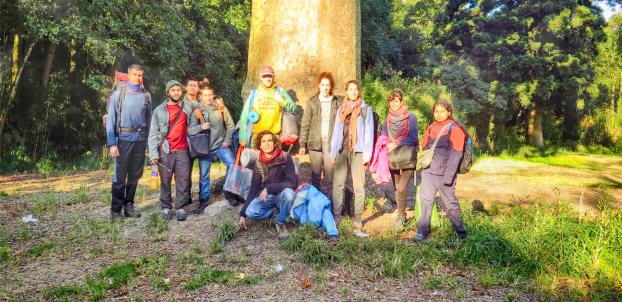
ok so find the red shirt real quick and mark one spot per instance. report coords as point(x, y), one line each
point(177, 136)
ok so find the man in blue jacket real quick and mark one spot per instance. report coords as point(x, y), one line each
point(127, 128)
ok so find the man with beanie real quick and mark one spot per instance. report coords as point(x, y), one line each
point(262, 109)
point(168, 147)
point(127, 128)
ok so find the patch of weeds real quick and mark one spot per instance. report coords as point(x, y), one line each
point(5, 254)
point(24, 233)
point(510, 297)
point(3, 194)
point(155, 269)
point(97, 251)
point(487, 280)
point(96, 287)
point(431, 282)
point(204, 277)
point(215, 247)
point(370, 204)
point(345, 291)
point(252, 280)
point(227, 231)
point(47, 205)
point(240, 258)
point(156, 224)
point(81, 195)
point(180, 238)
point(158, 239)
point(38, 250)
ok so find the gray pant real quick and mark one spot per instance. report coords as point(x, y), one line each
point(429, 185)
point(401, 179)
point(321, 159)
point(354, 161)
point(178, 163)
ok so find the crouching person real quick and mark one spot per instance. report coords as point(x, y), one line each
point(273, 185)
point(168, 145)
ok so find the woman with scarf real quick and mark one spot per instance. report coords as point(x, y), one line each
point(352, 145)
point(212, 112)
point(400, 127)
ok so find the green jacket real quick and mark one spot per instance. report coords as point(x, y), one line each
point(243, 123)
point(311, 125)
point(221, 128)
point(159, 127)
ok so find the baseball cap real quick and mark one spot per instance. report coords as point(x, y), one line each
point(266, 70)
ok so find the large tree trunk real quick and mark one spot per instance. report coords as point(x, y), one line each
point(14, 82)
point(49, 58)
point(534, 131)
point(300, 39)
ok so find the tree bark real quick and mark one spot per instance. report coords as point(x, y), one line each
point(5, 109)
point(534, 131)
point(48, 65)
point(301, 39)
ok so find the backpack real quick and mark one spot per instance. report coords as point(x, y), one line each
point(119, 84)
point(376, 124)
point(467, 158)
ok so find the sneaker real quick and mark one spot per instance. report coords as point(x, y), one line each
point(338, 219)
point(114, 216)
point(333, 238)
point(356, 221)
point(360, 233)
point(202, 206)
point(128, 210)
point(181, 214)
point(459, 240)
point(282, 231)
point(420, 237)
point(166, 214)
point(230, 198)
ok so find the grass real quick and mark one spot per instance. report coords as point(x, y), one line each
point(542, 242)
point(38, 250)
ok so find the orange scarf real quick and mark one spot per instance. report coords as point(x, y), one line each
point(353, 108)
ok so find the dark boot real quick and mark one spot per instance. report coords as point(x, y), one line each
point(128, 210)
point(114, 216)
point(202, 206)
point(230, 198)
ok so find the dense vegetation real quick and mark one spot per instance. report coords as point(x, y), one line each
point(544, 73)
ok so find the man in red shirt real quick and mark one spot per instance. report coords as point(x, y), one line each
point(168, 147)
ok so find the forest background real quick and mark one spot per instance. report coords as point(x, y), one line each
point(529, 78)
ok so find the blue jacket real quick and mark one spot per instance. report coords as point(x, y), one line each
point(312, 206)
point(134, 114)
point(365, 135)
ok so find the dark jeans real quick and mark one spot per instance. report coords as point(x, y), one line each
point(320, 159)
point(191, 165)
point(128, 169)
point(400, 183)
point(177, 163)
point(429, 185)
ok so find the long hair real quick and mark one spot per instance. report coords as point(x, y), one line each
point(266, 132)
point(444, 103)
point(329, 77)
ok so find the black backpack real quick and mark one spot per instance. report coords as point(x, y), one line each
point(376, 124)
point(467, 158)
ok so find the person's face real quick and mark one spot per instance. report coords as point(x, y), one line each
point(135, 76)
point(267, 80)
point(325, 87)
point(192, 88)
point(395, 103)
point(352, 91)
point(267, 144)
point(175, 93)
point(207, 95)
point(441, 114)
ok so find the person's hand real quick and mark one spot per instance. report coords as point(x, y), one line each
point(277, 96)
point(391, 146)
point(225, 145)
point(263, 196)
point(301, 151)
point(205, 126)
point(154, 161)
point(333, 160)
point(114, 151)
point(242, 144)
point(146, 152)
point(365, 163)
point(241, 224)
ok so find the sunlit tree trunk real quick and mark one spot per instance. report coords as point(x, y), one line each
point(15, 81)
point(300, 39)
point(534, 131)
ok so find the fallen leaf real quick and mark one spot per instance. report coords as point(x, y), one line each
point(306, 283)
point(241, 276)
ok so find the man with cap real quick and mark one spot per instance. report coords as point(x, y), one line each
point(127, 128)
point(262, 109)
point(168, 147)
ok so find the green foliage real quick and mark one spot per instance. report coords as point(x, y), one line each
point(5, 254)
point(38, 250)
point(205, 276)
point(156, 224)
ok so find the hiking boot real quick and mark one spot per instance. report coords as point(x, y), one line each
point(360, 234)
point(338, 219)
point(420, 237)
point(459, 240)
point(333, 238)
point(282, 231)
point(230, 198)
point(128, 210)
point(202, 206)
point(114, 216)
point(181, 214)
point(166, 214)
point(356, 221)
point(398, 224)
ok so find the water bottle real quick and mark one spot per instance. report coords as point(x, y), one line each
point(155, 177)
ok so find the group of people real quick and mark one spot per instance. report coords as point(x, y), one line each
point(338, 133)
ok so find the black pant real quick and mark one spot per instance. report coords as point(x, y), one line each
point(128, 169)
point(177, 163)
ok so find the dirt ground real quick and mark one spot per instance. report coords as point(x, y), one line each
point(73, 213)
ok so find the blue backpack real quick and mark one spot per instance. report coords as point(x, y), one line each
point(467, 158)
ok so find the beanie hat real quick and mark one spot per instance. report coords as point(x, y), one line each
point(172, 83)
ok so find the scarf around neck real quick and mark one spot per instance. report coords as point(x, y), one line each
point(398, 123)
point(353, 109)
point(132, 87)
point(267, 159)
